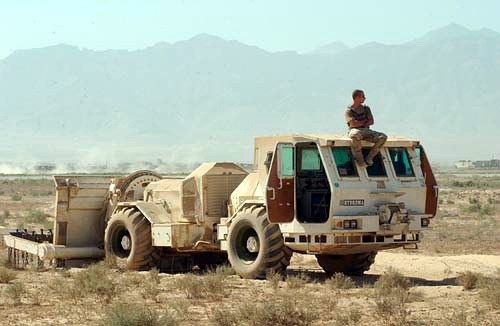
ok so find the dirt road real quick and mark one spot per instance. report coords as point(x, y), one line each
point(417, 265)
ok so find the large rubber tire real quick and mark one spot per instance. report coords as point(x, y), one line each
point(137, 253)
point(354, 265)
point(271, 254)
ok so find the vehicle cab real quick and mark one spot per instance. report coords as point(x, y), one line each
point(325, 202)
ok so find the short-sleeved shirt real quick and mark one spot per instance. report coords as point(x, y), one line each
point(362, 112)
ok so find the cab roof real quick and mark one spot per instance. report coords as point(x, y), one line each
point(330, 140)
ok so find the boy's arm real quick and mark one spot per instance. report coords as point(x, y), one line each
point(370, 117)
point(353, 123)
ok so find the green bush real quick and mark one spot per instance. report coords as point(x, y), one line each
point(297, 281)
point(274, 279)
point(36, 216)
point(96, 279)
point(281, 310)
point(15, 292)
point(210, 285)
point(7, 275)
point(16, 197)
point(339, 281)
point(135, 315)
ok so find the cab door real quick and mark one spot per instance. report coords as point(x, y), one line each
point(431, 197)
point(280, 188)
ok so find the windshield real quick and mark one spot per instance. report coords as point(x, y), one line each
point(401, 162)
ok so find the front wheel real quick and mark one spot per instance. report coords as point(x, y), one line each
point(355, 264)
point(127, 240)
point(255, 246)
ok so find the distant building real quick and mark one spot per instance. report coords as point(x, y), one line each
point(480, 165)
point(490, 164)
point(464, 164)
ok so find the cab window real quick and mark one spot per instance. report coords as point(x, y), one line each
point(310, 160)
point(377, 168)
point(287, 161)
point(344, 162)
point(401, 162)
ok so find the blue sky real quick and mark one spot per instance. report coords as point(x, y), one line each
point(272, 25)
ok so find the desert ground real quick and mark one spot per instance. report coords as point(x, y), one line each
point(452, 279)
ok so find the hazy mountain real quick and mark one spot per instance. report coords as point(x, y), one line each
point(332, 48)
point(206, 97)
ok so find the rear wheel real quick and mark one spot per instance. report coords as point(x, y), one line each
point(355, 264)
point(127, 240)
point(255, 246)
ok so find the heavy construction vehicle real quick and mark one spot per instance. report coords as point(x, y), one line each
point(306, 195)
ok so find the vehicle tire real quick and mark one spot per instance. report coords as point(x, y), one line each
point(354, 265)
point(127, 240)
point(255, 246)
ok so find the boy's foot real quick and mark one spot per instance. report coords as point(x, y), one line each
point(362, 164)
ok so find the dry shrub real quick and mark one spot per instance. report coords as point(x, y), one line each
point(392, 279)
point(37, 296)
point(349, 316)
point(7, 275)
point(191, 285)
point(225, 318)
point(209, 285)
point(223, 270)
point(339, 281)
point(392, 306)
point(135, 315)
point(297, 281)
point(392, 296)
point(490, 291)
point(283, 309)
point(274, 279)
point(96, 279)
point(151, 288)
point(468, 280)
point(458, 317)
point(180, 307)
point(15, 292)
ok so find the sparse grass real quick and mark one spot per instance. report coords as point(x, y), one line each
point(7, 275)
point(15, 292)
point(16, 197)
point(349, 316)
point(151, 288)
point(490, 290)
point(392, 296)
point(283, 309)
point(339, 281)
point(37, 297)
point(224, 270)
point(35, 216)
point(96, 279)
point(297, 281)
point(392, 279)
point(136, 315)
point(5, 215)
point(468, 280)
point(458, 317)
point(273, 278)
point(210, 285)
point(42, 193)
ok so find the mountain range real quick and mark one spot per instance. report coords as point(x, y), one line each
point(204, 99)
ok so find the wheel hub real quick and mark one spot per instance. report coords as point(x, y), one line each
point(252, 244)
point(125, 242)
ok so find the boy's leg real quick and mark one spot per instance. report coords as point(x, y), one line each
point(379, 140)
point(357, 136)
